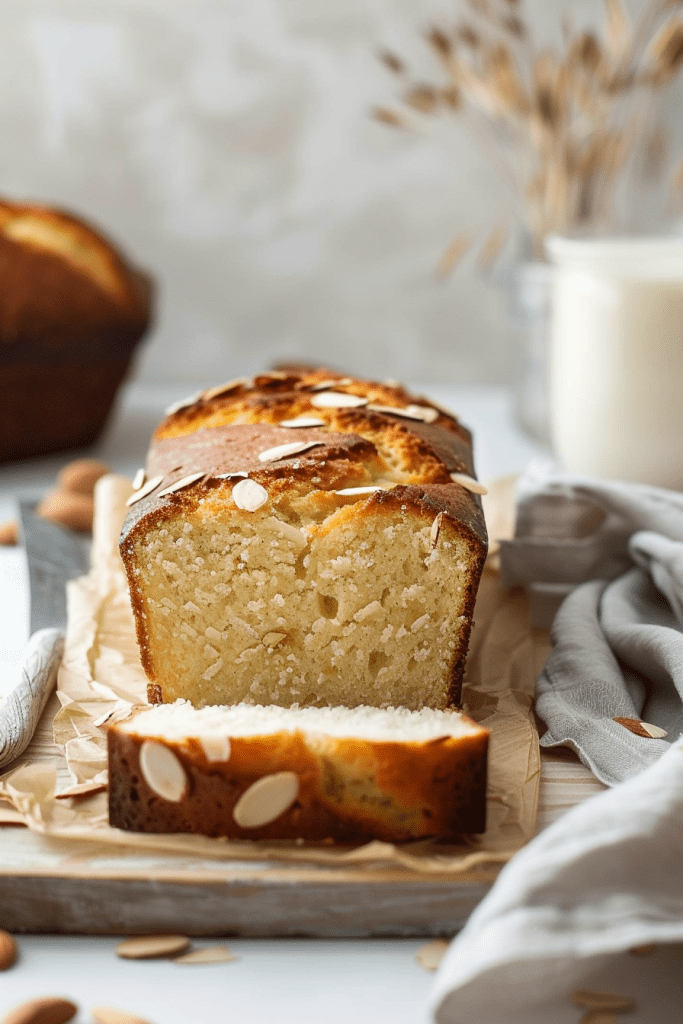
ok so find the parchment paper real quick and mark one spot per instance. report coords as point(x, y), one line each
point(101, 674)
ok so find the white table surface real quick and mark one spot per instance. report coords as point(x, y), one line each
point(287, 981)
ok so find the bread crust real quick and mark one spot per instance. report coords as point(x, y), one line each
point(350, 790)
point(223, 431)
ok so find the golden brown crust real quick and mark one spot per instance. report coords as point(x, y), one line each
point(351, 790)
point(223, 431)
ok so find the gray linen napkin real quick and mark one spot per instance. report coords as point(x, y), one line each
point(618, 638)
point(604, 878)
point(608, 875)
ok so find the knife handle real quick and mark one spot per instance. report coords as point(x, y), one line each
point(21, 709)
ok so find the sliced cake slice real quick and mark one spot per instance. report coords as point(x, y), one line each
point(254, 772)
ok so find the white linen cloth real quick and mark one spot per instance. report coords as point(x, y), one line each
point(609, 874)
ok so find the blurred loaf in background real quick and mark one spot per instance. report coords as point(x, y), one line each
point(72, 311)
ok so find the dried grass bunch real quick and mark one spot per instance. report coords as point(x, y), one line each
point(564, 126)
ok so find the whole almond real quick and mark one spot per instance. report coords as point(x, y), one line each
point(110, 1015)
point(66, 509)
point(80, 476)
point(147, 946)
point(8, 950)
point(48, 1010)
point(9, 532)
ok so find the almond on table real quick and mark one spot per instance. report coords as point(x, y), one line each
point(430, 955)
point(80, 476)
point(112, 1015)
point(599, 1000)
point(72, 510)
point(43, 1010)
point(8, 950)
point(207, 955)
point(146, 947)
point(9, 532)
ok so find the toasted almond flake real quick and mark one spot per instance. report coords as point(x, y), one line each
point(639, 728)
point(358, 490)
point(162, 771)
point(273, 639)
point(391, 410)
point(150, 486)
point(469, 483)
point(337, 400)
point(145, 947)
point(248, 495)
point(120, 711)
point(293, 534)
point(303, 421)
point(223, 389)
point(647, 949)
point(283, 451)
point(654, 731)
point(139, 479)
point(231, 476)
point(181, 484)
point(325, 385)
point(424, 412)
point(184, 403)
point(81, 789)
point(266, 799)
point(110, 1015)
point(436, 529)
point(207, 955)
point(216, 748)
point(596, 1000)
point(8, 950)
point(430, 955)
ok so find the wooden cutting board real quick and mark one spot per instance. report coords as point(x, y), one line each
point(72, 887)
point(81, 887)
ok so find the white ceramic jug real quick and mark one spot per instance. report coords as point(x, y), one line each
point(616, 358)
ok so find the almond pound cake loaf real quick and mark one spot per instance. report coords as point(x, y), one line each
point(252, 772)
point(73, 310)
point(306, 539)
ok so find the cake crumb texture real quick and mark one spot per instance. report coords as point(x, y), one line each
point(336, 589)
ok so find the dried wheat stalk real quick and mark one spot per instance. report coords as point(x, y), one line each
point(567, 123)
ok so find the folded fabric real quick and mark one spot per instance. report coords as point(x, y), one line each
point(573, 529)
point(617, 639)
point(607, 876)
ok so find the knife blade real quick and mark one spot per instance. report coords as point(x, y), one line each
point(54, 555)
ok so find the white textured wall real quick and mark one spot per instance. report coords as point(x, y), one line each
point(227, 145)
